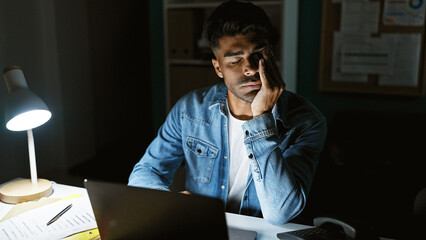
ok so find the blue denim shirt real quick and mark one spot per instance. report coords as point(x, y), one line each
point(283, 148)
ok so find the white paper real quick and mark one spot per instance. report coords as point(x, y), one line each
point(340, 1)
point(32, 224)
point(404, 12)
point(336, 73)
point(406, 65)
point(371, 56)
point(359, 17)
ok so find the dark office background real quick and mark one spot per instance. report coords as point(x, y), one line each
point(99, 65)
point(90, 62)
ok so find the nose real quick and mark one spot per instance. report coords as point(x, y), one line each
point(250, 69)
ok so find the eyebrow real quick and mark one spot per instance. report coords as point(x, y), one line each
point(232, 54)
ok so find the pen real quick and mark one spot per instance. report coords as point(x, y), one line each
point(59, 215)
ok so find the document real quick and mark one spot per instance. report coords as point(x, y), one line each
point(33, 224)
point(359, 17)
point(339, 40)
point(27, 206)
point(369, 56)
point(404, 12)
point(406, 66)
point(340, 1)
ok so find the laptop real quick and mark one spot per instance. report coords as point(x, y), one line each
point(124, 212)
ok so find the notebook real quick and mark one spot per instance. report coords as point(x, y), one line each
point(124, 212)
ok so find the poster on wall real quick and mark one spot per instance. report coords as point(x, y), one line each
point(404, 12)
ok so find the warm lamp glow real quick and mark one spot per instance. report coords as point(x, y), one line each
point(21, 123)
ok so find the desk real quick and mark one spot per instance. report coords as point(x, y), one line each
point(264, 229)
point(59, 191)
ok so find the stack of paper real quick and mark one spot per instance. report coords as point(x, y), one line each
point(32, 224)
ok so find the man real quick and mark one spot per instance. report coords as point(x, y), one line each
point(247, 141)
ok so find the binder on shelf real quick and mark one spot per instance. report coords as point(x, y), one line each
point(181, 34)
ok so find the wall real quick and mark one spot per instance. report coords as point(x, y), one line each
point(87, 60)
point(374, 140)
point(308, 63)
point(120, 52)
point(28, 39)
point(158, 64)
point(75, 77)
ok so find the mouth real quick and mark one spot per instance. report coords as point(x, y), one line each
point(253, 85)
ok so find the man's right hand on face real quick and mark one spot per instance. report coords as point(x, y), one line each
point(272, 84)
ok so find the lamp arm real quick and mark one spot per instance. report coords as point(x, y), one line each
point(31, 152)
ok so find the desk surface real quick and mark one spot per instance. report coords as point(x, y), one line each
point(264, 229)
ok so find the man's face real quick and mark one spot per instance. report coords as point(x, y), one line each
point(234, 64)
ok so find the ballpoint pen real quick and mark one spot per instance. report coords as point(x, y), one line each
point(59, 215)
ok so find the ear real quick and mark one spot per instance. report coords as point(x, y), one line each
point(217, 68)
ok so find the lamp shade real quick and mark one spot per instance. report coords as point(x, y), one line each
point(24, 109)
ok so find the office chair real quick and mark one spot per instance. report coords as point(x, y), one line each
point(419, 215)
point(419, 209)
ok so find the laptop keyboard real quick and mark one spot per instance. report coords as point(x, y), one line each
point(316, 233)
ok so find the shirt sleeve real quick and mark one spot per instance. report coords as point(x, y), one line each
point(162, 158)
point(283, 167)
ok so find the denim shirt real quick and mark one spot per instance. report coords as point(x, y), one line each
point(283, 148)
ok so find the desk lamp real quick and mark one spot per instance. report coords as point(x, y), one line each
point(24, 111)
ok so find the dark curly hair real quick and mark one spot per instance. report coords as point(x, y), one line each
point(237, 17)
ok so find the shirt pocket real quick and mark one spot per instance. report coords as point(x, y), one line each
point(200, 159)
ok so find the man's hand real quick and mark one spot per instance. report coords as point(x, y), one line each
point(272, 84)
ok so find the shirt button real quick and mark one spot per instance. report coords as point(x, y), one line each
point(247, 133)
point(225, 157)
point(245, 197)
point(223, 187)
point(250, 156)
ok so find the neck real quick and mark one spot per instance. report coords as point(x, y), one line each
point(239, 109)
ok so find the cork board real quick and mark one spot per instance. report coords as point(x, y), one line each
point(372, 82)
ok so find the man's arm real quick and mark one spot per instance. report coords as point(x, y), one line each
point(283, 178)
point(162, 158)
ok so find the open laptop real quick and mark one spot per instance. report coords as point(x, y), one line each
point(124, 212)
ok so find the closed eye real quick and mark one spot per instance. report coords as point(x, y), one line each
point(235, 62)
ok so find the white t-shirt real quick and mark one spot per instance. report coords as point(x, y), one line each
point(238, 164)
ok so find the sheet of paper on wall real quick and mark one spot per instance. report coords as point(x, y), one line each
point(404, 12)
point(371, 56)
point(33, 224)
point(359, 17)
point(339, 40)
point(406, 65)
point(340, 1)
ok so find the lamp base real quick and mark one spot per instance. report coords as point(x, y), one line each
point(24, 190)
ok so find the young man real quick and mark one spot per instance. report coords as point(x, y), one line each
point(247, 141)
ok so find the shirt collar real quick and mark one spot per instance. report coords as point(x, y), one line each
point(220, 95)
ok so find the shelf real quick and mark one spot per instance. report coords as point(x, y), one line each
point(212, 4)
point(193, 62)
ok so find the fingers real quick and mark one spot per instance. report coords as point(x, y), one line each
point(273, 63)
point(270, 70)
point(264, 78)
